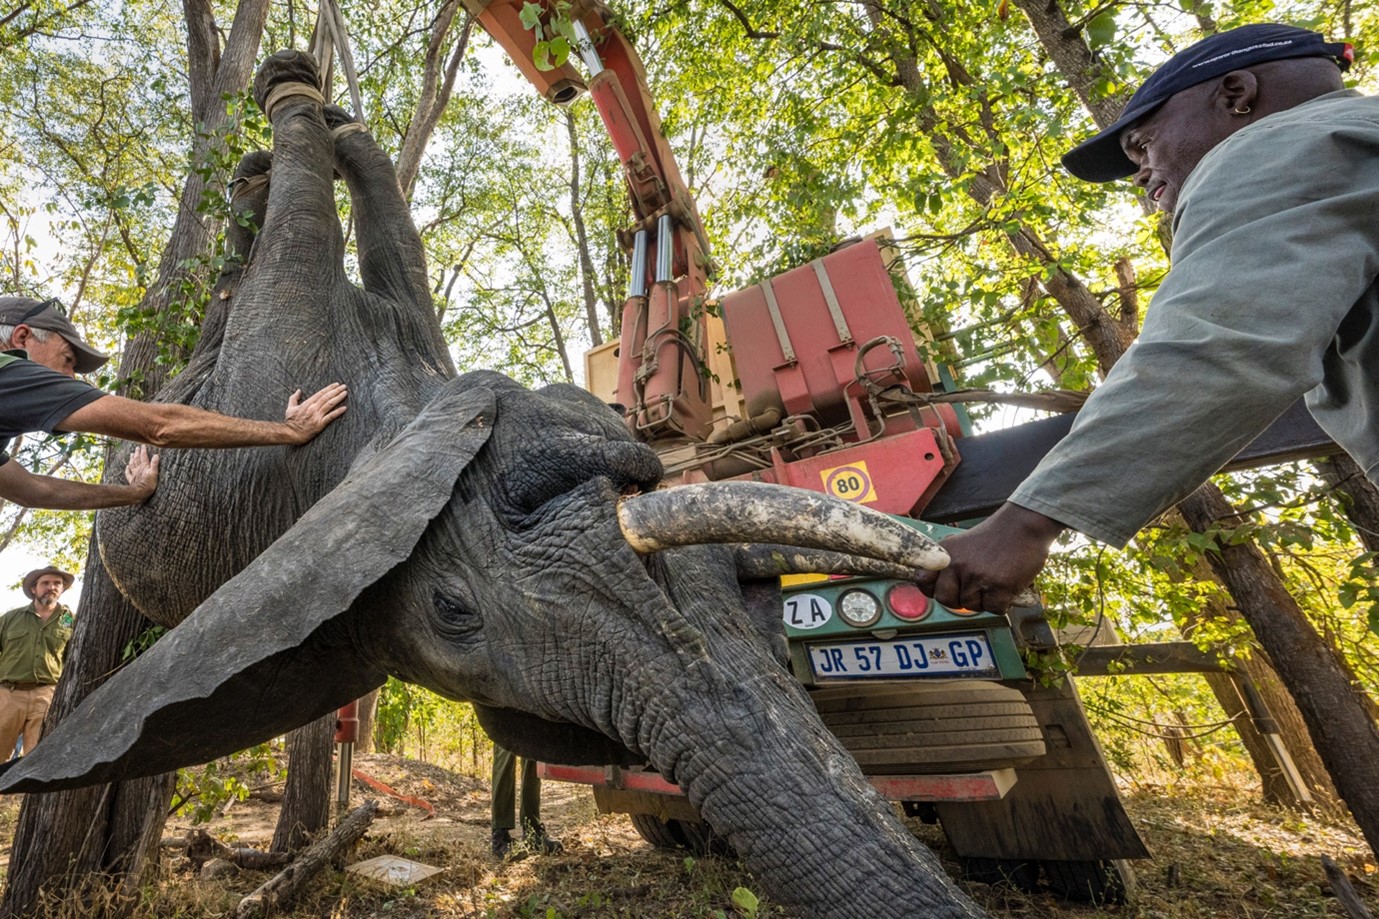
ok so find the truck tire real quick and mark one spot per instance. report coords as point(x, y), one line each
point(658, 832)
point(1022, 874)
point(695, 835)
point(1099, 881)
point(936, 726)
point(700, 839)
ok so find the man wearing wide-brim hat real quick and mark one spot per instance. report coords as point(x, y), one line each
point(33, 645)
point(1269, 167)
point(41, 353)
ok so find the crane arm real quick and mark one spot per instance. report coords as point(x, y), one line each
point(661, 377)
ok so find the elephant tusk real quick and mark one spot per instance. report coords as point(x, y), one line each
point(756, 561)
point(734, 512)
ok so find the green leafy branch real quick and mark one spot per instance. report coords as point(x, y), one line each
point(555, 37)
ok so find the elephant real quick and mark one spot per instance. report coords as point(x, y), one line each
point(494, 544)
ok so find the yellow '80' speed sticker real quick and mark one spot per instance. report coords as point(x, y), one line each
point(851, 482)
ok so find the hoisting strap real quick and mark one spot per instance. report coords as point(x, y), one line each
point(375, 784)
point(286, 90)
point(329, 37)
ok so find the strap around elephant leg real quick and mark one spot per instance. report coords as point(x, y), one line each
point(284, 90)
point(345, 130)
point(248, 185)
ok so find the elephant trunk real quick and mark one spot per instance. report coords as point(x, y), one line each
point(732, 512)
point(819, 839)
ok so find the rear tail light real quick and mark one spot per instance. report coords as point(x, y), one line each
point(908, 602)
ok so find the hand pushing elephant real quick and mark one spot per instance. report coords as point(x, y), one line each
point(493, 544)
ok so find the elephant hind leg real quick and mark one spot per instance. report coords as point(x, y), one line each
point(249, 203)
point(300, 249)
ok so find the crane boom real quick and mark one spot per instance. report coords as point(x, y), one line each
point(662, 381)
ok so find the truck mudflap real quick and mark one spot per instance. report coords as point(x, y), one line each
point(1065, 806)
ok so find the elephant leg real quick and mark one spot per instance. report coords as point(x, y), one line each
point(300, 249)
point(391, 262)
point(249, 202)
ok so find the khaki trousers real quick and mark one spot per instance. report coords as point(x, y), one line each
point(21, 712)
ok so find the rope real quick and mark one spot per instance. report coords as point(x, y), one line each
point(284, 90)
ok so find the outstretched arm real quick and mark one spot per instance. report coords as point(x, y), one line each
point(173, 425)
point(22, 487)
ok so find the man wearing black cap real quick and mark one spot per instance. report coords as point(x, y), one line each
point(1270, 168)
point(40, 354)
point(33, 644)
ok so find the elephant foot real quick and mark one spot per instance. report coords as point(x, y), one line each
point(283, 68)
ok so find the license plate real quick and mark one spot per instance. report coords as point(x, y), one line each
point(916, 656)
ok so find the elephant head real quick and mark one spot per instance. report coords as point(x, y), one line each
point(493, 544)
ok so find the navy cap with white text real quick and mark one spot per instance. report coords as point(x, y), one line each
point(1101, 159)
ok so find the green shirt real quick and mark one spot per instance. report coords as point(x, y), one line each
point(1273, 296)
point(31, 650)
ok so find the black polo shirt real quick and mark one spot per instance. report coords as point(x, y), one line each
point(35, 398)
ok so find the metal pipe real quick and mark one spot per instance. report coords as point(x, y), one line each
point(346, 775)
point(1266, 725)
point(664, 240)
point(638, 286)
point(587, 53)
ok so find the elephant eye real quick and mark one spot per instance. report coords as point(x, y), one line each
point(455, 618)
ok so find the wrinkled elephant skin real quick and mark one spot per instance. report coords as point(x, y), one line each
point(460, 533)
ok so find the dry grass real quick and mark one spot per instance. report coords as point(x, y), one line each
point(1217, 854)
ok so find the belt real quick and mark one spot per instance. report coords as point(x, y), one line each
point(9, 684)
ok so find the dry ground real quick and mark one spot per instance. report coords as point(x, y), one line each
point(1217, 854)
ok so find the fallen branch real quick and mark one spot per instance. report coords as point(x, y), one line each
point(1345, 893)
point(202, 847)
point(284, 887)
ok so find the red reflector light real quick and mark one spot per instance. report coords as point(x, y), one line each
point(908, 602)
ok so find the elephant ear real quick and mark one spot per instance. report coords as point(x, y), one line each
point(268, 651)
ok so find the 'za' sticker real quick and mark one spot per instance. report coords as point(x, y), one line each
point(807, 611)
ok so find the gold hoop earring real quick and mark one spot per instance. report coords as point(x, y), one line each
point(1243, 111)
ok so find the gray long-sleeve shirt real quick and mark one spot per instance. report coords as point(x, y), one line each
point(1272, 295)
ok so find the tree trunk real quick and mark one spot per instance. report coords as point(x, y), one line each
point(581, 240)
point(1338, 718)
point(437, 83)
point(306, 801)
point(1359, 496)
point(1292, 727)
point(368, 712)
point(62, 837)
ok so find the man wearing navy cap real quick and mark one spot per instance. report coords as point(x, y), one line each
point(1270, 168)
point(41, 353)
